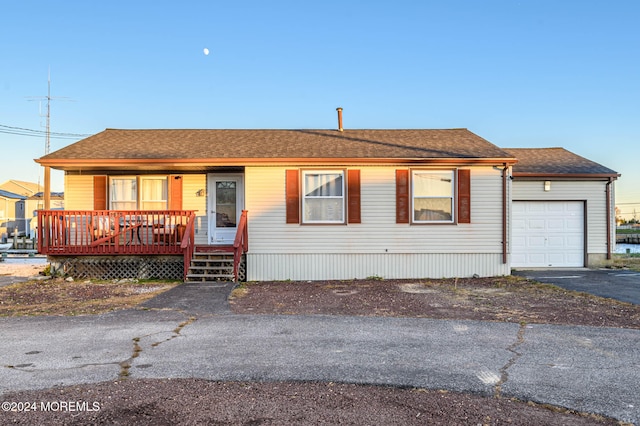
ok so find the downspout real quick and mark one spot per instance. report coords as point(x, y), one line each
point(504, 213)
point(608, 195)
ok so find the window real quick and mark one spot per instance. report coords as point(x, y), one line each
point(323, 196)
point(153, 195)
point(124, 194)
point(432, 196)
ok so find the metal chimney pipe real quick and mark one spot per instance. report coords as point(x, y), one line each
point(340, 129)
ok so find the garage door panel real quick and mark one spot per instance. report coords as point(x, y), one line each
point(575, 258)
point(554, 208)
point(576, 207)
point(552, 235)
point(519, 224)
point(535, 258)
point(555, 224)
point(519, 242)
point(532, 208)
point(575, 224)
point(535, 225)
point(537, 241)
point(557, 258)
point(575, 242)
point(556, 242)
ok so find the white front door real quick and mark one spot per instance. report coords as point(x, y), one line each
point(226, 201)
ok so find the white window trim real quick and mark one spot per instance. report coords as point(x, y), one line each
point(141, 190)
point(342, 172)
point(452, 197)
point(110, 194)
point(138, 198)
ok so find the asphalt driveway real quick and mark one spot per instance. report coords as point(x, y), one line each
point(588, 369)
point(616, 284)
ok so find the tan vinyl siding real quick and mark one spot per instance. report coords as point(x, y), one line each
point(593, 192)
point(191, 185)
point(378, 234)
point(78, 192)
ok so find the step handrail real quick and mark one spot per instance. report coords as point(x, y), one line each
point(188, 243)
point(241, 243)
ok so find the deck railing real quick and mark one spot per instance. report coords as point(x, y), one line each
point(188, 243)
point(241, 243)
point(115, 232)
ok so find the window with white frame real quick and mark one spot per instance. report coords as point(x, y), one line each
point(153, 193)
point(124, 194)
point(323, 196)
point(432, 196)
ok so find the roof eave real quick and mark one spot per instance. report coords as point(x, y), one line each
point(185, 163)
point(534, 175)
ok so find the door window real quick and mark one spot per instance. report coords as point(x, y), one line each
point(226, 210)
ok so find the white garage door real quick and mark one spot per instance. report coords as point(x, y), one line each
point(547, 233)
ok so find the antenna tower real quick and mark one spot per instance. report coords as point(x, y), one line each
point(48, 98)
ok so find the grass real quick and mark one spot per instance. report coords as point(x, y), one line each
point(629, 261)
point(628, 231)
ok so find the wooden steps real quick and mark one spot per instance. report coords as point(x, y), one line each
point(211, 265)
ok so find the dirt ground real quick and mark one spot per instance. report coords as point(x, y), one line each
point(195, 402)
point(507, 299)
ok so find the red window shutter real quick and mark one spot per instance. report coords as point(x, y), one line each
point(293, 196)
point(402, 196)
point(353, 196)
point(100, 193)
point(175, 192)
point(464, 196)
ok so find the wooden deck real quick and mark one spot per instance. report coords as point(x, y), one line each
point(114, 232)
point(73, 233)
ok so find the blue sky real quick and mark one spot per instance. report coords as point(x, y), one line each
point(518, 73)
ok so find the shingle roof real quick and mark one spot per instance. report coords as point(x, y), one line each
point(555, 161)
point(278, 144)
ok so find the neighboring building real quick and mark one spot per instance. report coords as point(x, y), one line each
point(29, 207)
point(11, 214)
point(19, 205)
point(21, 188)
point(322, 204)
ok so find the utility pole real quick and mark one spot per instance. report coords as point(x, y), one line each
point(47, 143)
point(47, 115)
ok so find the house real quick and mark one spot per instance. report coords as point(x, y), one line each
point(290, 204)
point(13, 194)
point(26, 198)
point(562, 209)
point(21, 187)
point(29, 209)
point(10, 214)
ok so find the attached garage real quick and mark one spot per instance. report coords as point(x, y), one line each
point(548, 234)
point(562, 210)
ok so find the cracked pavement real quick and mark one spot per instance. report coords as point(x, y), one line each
point(583, 368)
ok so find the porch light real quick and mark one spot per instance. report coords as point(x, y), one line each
point(547, 185)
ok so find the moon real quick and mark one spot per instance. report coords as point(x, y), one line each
point(206, 51)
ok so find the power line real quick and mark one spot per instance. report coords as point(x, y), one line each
point(21, 131)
